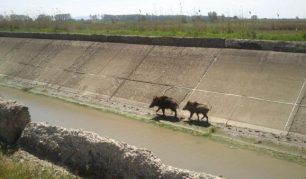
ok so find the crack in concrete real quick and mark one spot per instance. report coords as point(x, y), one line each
point(187, 88)
point(40, 51)
point(211, 63)
point(130, 74)
point(14, 48)
point(111, 59)
point(293, 112)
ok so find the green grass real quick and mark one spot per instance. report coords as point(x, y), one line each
point(25, 89)
point(10, 169)
point(284, 30)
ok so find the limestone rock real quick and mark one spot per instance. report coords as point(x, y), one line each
point(90, 155)
point(13, 119)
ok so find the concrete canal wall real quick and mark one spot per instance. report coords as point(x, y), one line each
point(262, 89)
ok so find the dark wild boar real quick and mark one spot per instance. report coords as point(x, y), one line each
point(164, 102)
point(195, 107)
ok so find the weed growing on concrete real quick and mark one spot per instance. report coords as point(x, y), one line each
point(212, 130)
point(26, 89)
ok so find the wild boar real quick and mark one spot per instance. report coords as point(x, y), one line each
point(164, 102)
point(195, 107)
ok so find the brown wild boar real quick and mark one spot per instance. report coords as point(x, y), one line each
point(195, 107)
point(164, 102)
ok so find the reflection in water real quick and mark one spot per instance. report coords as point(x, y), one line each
point(174, 148)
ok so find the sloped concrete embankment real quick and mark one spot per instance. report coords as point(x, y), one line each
point(84, 153)
point(263, 90)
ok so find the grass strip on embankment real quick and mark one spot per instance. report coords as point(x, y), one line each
point(261, 29)
point(19, 164)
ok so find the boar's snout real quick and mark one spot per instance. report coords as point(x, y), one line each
point(151, 105)
point(154, 101)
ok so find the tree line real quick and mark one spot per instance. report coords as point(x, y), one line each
point(41, 17)
point(211, 17)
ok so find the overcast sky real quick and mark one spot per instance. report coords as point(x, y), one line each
point(245, 8)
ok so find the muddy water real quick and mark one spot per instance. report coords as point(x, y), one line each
point(174, 148)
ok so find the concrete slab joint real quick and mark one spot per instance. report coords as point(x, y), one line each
point(295, 107)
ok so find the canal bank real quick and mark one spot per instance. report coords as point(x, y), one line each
point(257, 96)
point(262, 90)
point(174, 148)
point(96, 74)
point(83, 153)
point(288, 147)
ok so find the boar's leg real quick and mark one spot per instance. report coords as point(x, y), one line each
point(198, 116)
point(175, 113)
point(163, 109)
point(158, 109)
point(174, 110)
point(203, 115)
point(206, 117)
point(191, 114)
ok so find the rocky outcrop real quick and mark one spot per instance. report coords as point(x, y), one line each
point(91, 155)
point(13, 119)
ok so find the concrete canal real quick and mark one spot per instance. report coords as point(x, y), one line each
point(174, 148)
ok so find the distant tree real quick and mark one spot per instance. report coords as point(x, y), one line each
point(16, 17)
point(111, 18)
point(183, 19)
point(254, 17)
point(235, 17)
point(297, 18)
point(197, 16)
point(115, 19)
point(93, 17)
point(212, 16)
point(1, 17)
point(43, 17)
point(62, 17)
point(222, 17)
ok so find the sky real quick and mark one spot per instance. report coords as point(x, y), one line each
point(79, 8)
